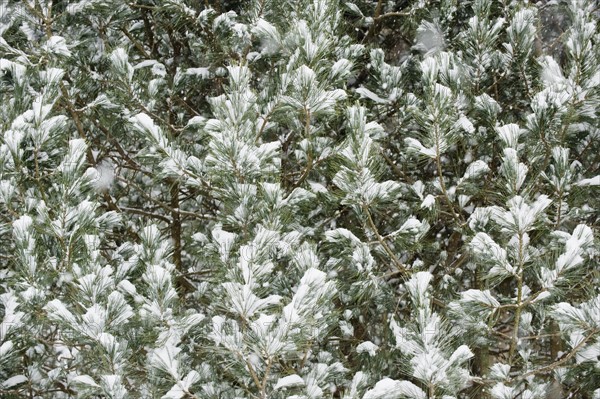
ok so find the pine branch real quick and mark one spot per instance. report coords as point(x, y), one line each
point(559, 363)
point(399, 266)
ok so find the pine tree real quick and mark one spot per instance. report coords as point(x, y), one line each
point(308, 199)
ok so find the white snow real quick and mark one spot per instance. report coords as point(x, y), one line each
point(509, 134)
point(412, 225)
point(270, 37)
point(418, 188)
point(366, 93)
point(293, 380)
point(202, 73)
point(514, 171)
point(79, 6)
point(428, 202)
point(86, 380)
point(475, 169)
point(341, 68)
point(244, 301)
point(418, 283)
point(484, 246)
point(104, 176)
point(57, 45)
point(594, 181)
point(368, 347)
point(391, 389)
point(12, 381)
point(465, 123)
point(181, 388)
point(551, 72)
point(6, 348)
point(501, 391)
point(120, 60)
point(341, 234)
point(484, 297)
point(21, 227)
point(521, 215)
point(113, 386)
point(125, 285)
point(430, 38)
point(145, 124)
point(500, 371)
point(416, 146)
point(165, 359)
point(461, 355)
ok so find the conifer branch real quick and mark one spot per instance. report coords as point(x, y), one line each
point(398, 265)
point(559, 363)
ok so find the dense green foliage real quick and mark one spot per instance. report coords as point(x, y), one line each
point(299, 199)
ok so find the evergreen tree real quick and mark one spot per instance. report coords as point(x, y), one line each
point(304, 199)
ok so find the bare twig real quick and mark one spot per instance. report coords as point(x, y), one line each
point(401, 268)
point(391, 15)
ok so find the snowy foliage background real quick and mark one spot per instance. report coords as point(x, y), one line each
point(306, 199)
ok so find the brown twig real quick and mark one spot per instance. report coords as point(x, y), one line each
point(401, 268)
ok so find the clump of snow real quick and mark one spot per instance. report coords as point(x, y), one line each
point(57, 45)
point(430, 38)
point(293, 380)
point(366, 93)
point(594, 181)
point(412, 225)
point(509, 134)
point(418, 188)
point(346, 328)
point(202, 73)
point(12, 381)
point(475, 169)
point(465, 124)
point(551, 72)
point(391, 389)
point(270, 37)
point(104, 176)
point(428, 202)
point(368, 347)
point(86, 380)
